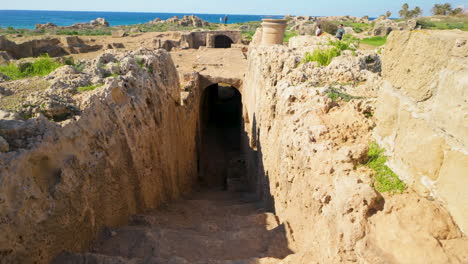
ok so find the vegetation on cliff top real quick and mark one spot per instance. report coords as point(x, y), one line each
point(385, 179)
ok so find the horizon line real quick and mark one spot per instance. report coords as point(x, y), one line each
point(146, 12)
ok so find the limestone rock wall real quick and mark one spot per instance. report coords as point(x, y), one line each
point(132, 149)
point(304, 157)
point(422, 114)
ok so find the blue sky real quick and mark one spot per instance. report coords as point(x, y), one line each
point(260, 7)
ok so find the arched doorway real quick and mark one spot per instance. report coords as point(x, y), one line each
point(222, 41)
point(221, 127)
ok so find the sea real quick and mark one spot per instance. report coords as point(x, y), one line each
point(28, 19)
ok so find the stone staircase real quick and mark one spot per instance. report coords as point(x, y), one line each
point(213, 227)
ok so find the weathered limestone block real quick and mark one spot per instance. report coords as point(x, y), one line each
point(452, 184)
point(132, 149)
point(386, 114)
point(418, 147)
point(427, 72)
point(413, 59)
point(449, 108)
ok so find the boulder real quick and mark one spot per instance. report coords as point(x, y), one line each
point(119, 33)
point(6, 115)
point(383, 27)
point(99, 22)
point(5, 57)
point(349, 30)
point(46, 26)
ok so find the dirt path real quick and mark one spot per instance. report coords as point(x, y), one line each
point(213, 227)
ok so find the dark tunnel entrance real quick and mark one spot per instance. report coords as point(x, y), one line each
point(221, 129)
point(222, 41)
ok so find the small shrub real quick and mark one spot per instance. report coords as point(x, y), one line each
point(108, 74)
point(87, 88)
point(140, 62)
point(328, 27)
point(40, 67)
point(385, 179)
point(69, 61)
point(342, 45)
point(80, 66)
point(322, 56)
point(335, 94)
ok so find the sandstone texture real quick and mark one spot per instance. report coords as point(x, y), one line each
point(383, 26)
point(304, 156)
point(131, 149)
point(421, 114)
point(121, 175)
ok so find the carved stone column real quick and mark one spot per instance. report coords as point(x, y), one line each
point(273, 31)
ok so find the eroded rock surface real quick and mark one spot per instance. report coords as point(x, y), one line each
point(306, 151)
point(133, 145)
point(131, 149)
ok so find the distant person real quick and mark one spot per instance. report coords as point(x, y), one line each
point(220, 20)
point(340, 33)
point(225, 19)
point(318, 32)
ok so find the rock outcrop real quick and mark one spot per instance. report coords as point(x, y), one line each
point(132, 149)
point(134, 144)
point(31, 48)
point(93, 24)
point(54, 47)
point(185, 21)
point(384, 26)
point(422, 114)
point(304, 159)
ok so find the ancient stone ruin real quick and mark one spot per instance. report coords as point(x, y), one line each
point(221, 153)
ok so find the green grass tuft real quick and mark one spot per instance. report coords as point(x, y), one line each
point(325, 56)
point(40, 67)
point(375, 41)
point(87, 88)
point(385, 179)
point(335, 94)
point(322, 57)
point(288, 35)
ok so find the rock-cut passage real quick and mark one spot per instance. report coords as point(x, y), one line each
point(222, 41)
point(222, 224)
point(213, 227)
point(221, 125)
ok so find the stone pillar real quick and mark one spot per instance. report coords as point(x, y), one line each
point(210, 43)
point(273, 31)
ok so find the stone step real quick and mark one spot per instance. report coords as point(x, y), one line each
point(141, 242)
point(92, 258)
point(207, 223)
